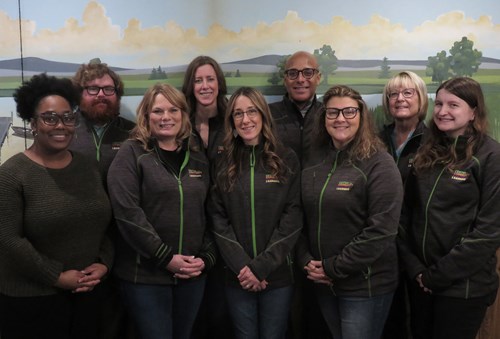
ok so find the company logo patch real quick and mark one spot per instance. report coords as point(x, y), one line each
point(344, 186)
point(460, 175)
point(271, 179)
point(116, 146)
point(195, 173)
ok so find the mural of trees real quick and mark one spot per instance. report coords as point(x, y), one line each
point(462, 61)
point(327, 61)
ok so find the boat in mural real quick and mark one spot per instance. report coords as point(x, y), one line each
point(23, 132)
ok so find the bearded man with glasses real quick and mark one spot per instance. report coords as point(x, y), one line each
point(99, 135)
point(101, 129)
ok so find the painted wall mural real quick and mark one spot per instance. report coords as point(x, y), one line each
point(247, 37)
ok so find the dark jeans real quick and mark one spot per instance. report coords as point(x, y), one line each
point(64, 315)
point(355, 317)
point(259, 315)
point(397, 325)
point(163, 311)
point(440, 317)
point(213, 318)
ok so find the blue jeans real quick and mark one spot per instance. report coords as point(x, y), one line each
point(163, 311)
point(259, 315)
point(355, 317)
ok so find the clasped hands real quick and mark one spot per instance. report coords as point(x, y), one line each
point(421, 284)
point(249, 281)
point(186, 266)
point(316, 273)
point(82, 281)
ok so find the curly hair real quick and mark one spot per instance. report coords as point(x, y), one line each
point(142, 131)
point(365, 142)
point(232, 159)
point(406, 79)
point(435, 149)
point(96, 70)
point(189, 78)
point(29, 94)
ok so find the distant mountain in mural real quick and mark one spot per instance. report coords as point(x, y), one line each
point(32, 64)
point(38, 65)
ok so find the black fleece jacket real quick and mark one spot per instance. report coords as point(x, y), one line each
point(451, 226)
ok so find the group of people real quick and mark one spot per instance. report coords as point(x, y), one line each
point(234, 218)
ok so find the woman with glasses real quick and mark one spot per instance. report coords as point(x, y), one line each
point(158, 183)
point(450, 225)
point(54, 213)
point(256, 217)
point(405, 104)
point(352, 195)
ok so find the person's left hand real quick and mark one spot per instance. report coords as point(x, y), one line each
point(93, 276)
point(421, 284)
point(249, 281)
point(316, 273)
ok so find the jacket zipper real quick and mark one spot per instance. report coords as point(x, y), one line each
point(252, 200)
point(334, 167)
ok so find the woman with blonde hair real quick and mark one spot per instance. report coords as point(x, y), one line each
point(158, 183)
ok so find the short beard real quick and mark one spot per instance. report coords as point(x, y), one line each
point(100, 116)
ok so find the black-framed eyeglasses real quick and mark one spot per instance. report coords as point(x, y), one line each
point(251, 113)
point(94, 90)
point(51, 118)
point(347, 112)
point(307, 73)
point(407, 93)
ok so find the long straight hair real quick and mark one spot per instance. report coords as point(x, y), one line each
point(231, 165)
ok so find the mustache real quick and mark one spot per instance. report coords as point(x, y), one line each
point(101, 101)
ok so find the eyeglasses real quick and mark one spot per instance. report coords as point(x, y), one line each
point(347, 112)
point(407, 93)
point(307, 73)
point(50, 118)
point(94, 90)
point(251, 113)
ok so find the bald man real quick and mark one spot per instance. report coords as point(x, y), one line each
point(294, 115)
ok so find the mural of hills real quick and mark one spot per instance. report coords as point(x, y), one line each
point(264, 63)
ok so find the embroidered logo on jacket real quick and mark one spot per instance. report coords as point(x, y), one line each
point(459, 175)
point(344, 186)
point(116, 146)
point(271, 179)
point(195, 173)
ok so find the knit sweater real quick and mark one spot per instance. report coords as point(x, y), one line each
point(51, 220)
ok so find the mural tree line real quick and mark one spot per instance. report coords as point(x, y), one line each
point(463, 60)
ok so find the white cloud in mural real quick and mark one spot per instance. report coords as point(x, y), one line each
point(172, 44)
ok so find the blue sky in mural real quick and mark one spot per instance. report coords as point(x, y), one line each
point(134, 33)
point(193, 13)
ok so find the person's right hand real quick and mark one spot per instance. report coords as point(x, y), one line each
point(69, 280)
point(186, 266)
